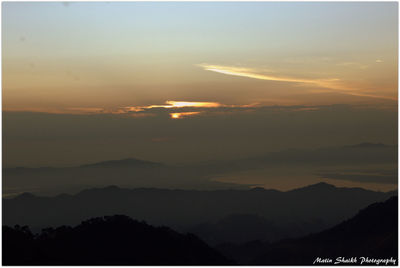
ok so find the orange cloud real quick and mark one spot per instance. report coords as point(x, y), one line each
point(252, 73)
point(174, 104)
point(183, 114)
point(141, 111)
point(182, 104)
point(332, 84)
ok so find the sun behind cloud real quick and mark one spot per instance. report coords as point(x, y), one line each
point(183, 114)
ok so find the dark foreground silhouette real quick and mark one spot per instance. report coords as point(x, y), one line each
point(119, 240)
point(214, 216)
point(371, 233)
point(116, 240)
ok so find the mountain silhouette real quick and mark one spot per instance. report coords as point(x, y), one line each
point(113, 240)
point(241, 228)
point(368, 145)
point(366, 162)
point(119, 240)
point(372, 233)
point(128, 162)
point(293, 213)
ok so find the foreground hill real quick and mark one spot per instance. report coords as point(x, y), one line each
point(116, 240)
point(216, 216)
point(119, 240)
point(371, 233)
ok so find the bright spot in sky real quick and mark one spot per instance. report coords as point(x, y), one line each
point(183, 114)
point(178, 104)
point(175, 115)
point(175, 104)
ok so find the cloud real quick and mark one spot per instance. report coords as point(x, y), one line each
point(176, 109)
point(182, 109)
point(173, 104)
point(253, 73)
point(183, 114)
point(86, 110)
point(332, 84)
point(196, 108)
point(353, 64)
point(376, 178)
point(68, 110)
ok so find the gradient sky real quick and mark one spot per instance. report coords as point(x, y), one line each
point(62, 56)
point(186, 81)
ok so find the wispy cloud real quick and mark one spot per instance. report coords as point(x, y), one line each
point(254, 73)
point(68, 110)
point(353, 64)
point(331, 84)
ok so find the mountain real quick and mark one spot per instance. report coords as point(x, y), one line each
point(119, 240)
point(239, 228)
point(243, 253)
point(349, 155)
point(371, 233)
point(295, 213)
point(365, 162)
point(115, 240)
point(128, 162)
point(368, 145)
point(242, 228)
point(126, 173)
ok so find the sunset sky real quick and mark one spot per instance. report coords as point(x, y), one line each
point(87, 57)
point(186, 81)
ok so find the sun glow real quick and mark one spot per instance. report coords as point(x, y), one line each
point(176, 104)
point(143, 111)
point(183, 114)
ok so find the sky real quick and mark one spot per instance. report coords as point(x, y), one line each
point(190, 81)
point(60, 57)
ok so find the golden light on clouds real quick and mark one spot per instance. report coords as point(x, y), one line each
point(179, 104)
point(183, 114)
point(175, 115)
point(330, 84)
point(253, 73)
point(183, 104)
point(142, 111)
point(175, 104)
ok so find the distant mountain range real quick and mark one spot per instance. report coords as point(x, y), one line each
point(216, 216)
point(126, 172)
point(372, 233)
point(128, 162)
point(116, 240)
point(324, 162)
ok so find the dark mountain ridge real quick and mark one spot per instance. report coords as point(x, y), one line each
point(119, 240)
point(295, 213)
point(372, 233)
point(128, 162)
point(116, 240)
